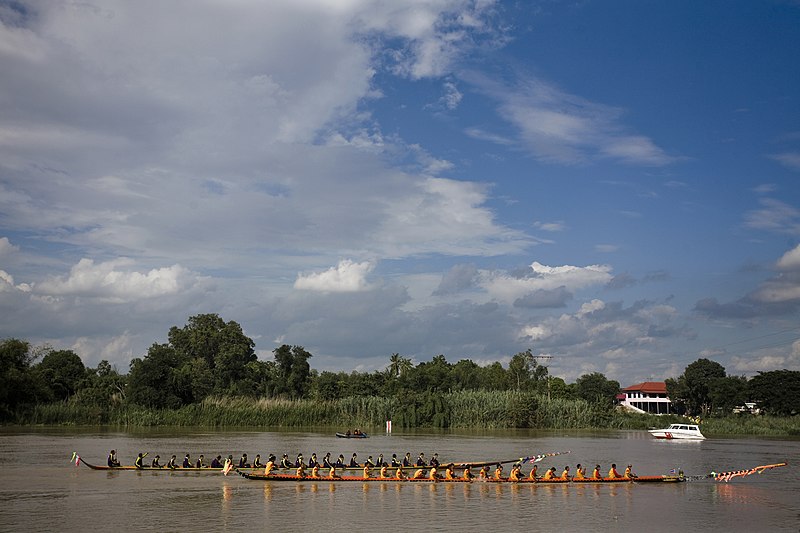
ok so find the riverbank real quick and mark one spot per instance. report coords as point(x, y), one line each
point(456, 410)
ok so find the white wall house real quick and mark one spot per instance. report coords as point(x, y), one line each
point(648, 397)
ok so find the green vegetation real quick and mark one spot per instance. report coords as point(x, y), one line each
point(207, 375)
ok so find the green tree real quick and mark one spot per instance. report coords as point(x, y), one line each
point(698, 377)
point(727, 393)
point(160, 379)
point(293, 371)
point(18, 384)
point(520, 370)
point(596, 388)
point(466, 375)
point(223, 346)
point(63, 372)
point(104, 387)
point(494, 377)
point(777, 392)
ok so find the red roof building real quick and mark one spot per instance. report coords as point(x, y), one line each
point(648, 397)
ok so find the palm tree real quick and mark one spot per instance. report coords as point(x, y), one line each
point(399, 365)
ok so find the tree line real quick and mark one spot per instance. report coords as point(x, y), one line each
point(209, 357)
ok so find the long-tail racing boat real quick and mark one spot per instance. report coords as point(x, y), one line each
point(670, 478)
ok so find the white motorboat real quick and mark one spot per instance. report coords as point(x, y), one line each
point(678, 431)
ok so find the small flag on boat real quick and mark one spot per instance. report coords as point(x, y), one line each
point(76, 458)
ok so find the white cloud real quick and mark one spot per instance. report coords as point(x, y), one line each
point(452, 96)
point(347, 276)
point(507, 288)
point(550, 226)
point(560, 127)
point(790, 260)
point(790, 160)
point(774, 215)
point(6, 248)
point(107, 281)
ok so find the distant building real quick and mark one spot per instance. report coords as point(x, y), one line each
point(648, 397)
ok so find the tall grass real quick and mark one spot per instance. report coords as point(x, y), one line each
point(462, 410)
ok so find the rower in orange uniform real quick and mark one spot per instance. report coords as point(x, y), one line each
point(565, 473)
point(484, 473)
point(367, 471)
point(399, 474)
point(516, 470)
point(596, 473)
point(419, 474)
point(580, 473)
point(533, 475)
point(450, 473)
point(629, 473)
point(467, 473)
point(612, 472)
point(550, 474)
point(270, 465)
point(498, 472)
point(332, 473)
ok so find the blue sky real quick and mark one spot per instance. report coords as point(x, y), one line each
point(614, 185)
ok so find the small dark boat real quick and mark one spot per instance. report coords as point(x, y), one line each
point(360, 435)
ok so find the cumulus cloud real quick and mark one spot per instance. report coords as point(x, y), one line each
point(6, 248)
point(545, 298)
point(542, 277)
point(602, 334)
point(457, 279)
point(790, 260)
point(109, 281)
point(347, 276)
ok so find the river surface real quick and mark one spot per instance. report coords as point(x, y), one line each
point(40, 490)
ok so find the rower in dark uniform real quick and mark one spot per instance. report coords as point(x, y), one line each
point(155, 463)
point(216, 462)
point(171, 463)
point(139, 463)
point(326, 461)
point(257, 461)
point(285, 462)
point(395, 462)
point(421, 460)
point(340, 462)
point(407, 459)
point(369, 462)
point(353, 462)
point(312, 462)
point(112, 459)
point(187, 461)
point(380, 462)
point(435, 460)
point(299, 461)
point(243, 461)
point(199, 463)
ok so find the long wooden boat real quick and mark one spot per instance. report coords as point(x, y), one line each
point(352, 436)
point(557, 481)
point(156, 469)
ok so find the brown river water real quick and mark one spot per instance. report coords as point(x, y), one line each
point(40, 490)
